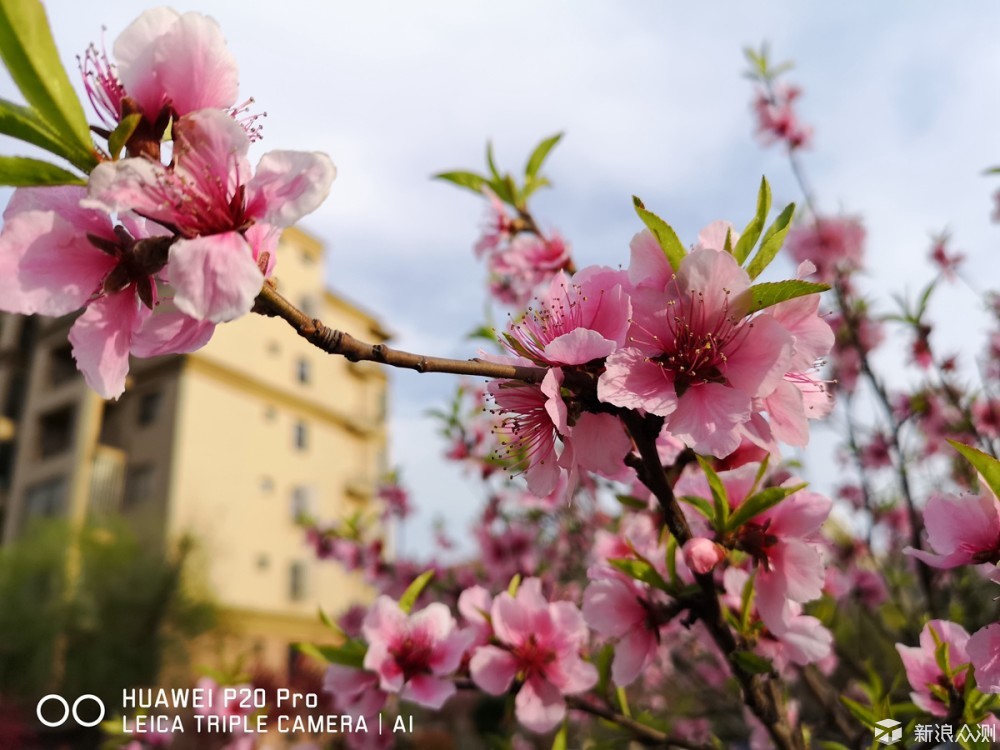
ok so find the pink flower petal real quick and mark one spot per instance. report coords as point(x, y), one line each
point(707, 417)
point(600, 443)
point(632, 654)
point(101, 340)
point(633, 382)
point(539, 705)
point(493, 669)
point(288, 185)
point(428, 691)
point(648, 266)
point(170, 332)
point(216, 277)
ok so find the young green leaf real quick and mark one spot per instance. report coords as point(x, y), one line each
point(514, 585)
point(640, 570)
point(490, 162)
point(757, 504)
point(325, 619)
point(350, 654)
point(700, 504)
point(751, 663)
point(20, 171)
point(30, 54)
point(24, 124)
point(414, 590)
point(559, 741)
point(771, 244)
point(719, 495)
point(468, 180)
point(664, 233)
point(769, 293)
point(987, 466)
point(120, 135)
point(539, 155)
point(752, 232)
point(632, 502)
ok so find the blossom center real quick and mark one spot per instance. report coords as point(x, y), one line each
point(413, 655)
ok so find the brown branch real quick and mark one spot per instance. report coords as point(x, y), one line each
point(269, 302)
point(761, 693)
point(829, 697)
point(644, 734)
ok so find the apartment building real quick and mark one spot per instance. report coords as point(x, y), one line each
point(230, 444)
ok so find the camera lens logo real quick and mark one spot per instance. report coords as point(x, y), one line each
point(888, 731)
point(66, 710)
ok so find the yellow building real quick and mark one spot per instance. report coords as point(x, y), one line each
point(231, 444)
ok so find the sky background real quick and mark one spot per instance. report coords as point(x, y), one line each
point(903, 96)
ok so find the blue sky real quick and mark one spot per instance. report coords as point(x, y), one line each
point(903, 96)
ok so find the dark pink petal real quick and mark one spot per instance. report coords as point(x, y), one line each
point(288, 185)
point(216, 277)
point(102, 338)
point(539, 705)
point(492, 669)
point(47, 264)
point(428, 691)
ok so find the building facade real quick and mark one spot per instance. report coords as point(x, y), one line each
point(231, 445)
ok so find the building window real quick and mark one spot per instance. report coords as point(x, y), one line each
point(273, 348)
point(62, 366)
point(301, 435)
point(55, 432)
point(303, 371)
point(270, 413)
point(263, 561)
point(297, 581)
point(301, 503)
point(149, 407)
point(266, 485)
point(138, 485)
point(45, 499)
point(308, 305)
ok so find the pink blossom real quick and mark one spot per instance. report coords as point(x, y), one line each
point(834, 244)
point(497, 227)
point(528, 261)
point(475, 604)
point(354, 691)
point(396, 499)
point(56, 257)
point(412, 653)
point(620, 608)
point(227, 220)
point(946, 261)
point(984, 653)
point(961, 530)
point(922, 669)
point(701, 555)
point(776, 117)
point(694, 358)
point(577, 320)
point(541, 642)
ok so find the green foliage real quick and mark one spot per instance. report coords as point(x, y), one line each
point(55, 120)
point(720, 498)
point(414, 590)
point(640, 570)
point(752, 663)
point(20, 171)
point(987, 466)
point(773, 239)
point(119, 137)
point(664, 233)
point(348, 654)
point(752, 232)
point(758, 503)
point(126, 611)
point(769, 293)
point(514, 585)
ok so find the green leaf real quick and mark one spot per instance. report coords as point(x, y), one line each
point(752, 663)
point(752, 232)
point(757, 504)
point(632, 502)
point(20, 171)
point(746, 602)
point(514, 585)
point(539, 155)
point(490, 162)
point(987, 466)
point(120, 135)
point(861, 713)
point(350, 654)
point(771, 244)
point(700, 504)
point(640, 570)
point(559, 741)
point(325, 619)
point(532, 184)
point(27, 47)
point(720, 497)
point(770, 293)
point(502, 189)
point(623, 702)
point(414, 590)
point(24, 124)
point(664, 234)
point(468, 180)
